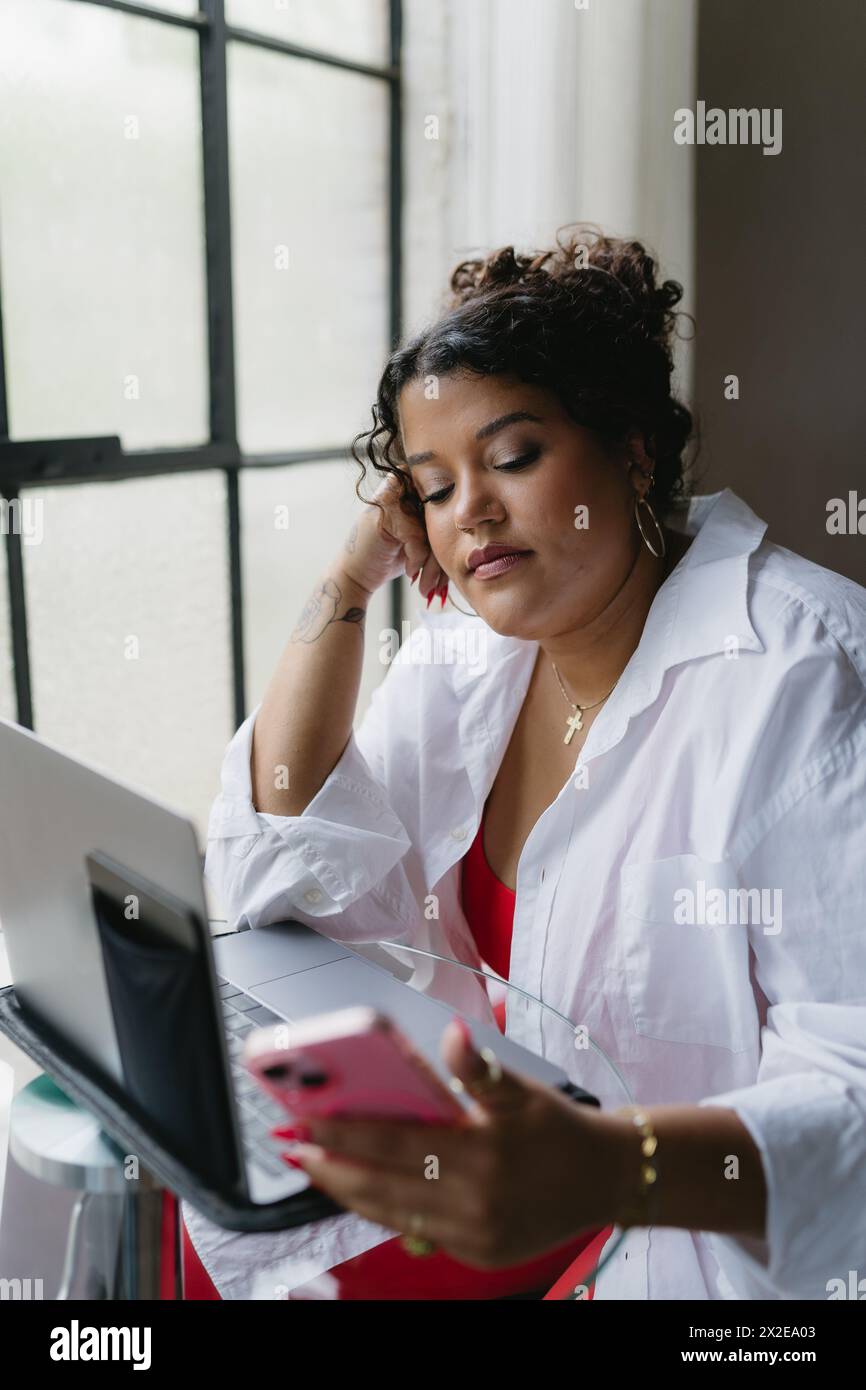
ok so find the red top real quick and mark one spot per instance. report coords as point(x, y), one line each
point(489, 906)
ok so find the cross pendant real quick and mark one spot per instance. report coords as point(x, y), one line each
point(574, 721)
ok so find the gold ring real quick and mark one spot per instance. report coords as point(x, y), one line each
point(414, 1243)
point(417, 1246)
point(493, 1077)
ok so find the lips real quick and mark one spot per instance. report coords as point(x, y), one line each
point(491, 552)
point(491, 569)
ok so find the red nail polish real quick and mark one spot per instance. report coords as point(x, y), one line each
point(300, 1132)
point(443, 593)
point(430, 597)
point(415, 575)
point(294, 1162)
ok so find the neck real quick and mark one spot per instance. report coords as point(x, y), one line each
point(590, 659)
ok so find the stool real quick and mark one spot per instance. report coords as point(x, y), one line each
point(134, 1218)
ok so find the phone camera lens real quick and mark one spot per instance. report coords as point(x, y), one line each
point(314, 1078)
point(280, 1072)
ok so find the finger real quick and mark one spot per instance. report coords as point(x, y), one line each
point(410, 537)
point(401, 1146)
point(389, 489)
point(491, 1087)
point(413, 544)
point(416, 555)
point(388, 1199)
point(430, 572)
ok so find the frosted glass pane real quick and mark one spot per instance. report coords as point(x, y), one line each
point(8, 708)
point(101, 238)
point(308, 149)
point(128, 608)
point(350, 28)
point(294, 521)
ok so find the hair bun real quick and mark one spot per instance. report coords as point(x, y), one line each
point(501, 267)
point(646, 309)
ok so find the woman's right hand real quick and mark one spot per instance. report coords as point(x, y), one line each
point(385, 541)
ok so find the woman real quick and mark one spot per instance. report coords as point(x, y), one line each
point(660, 759)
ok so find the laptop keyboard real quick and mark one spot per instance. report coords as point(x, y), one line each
point(257, 1113)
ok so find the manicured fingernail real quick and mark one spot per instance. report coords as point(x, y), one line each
point(293, 1162)
point(430, 597)
point(443, 593)
point(299, 1131)
point(415, 575)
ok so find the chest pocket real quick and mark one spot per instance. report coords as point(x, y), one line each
point(686, 948)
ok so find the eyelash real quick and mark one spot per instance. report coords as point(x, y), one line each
point(437, 498)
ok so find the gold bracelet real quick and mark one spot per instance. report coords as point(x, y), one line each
point(638, 1214)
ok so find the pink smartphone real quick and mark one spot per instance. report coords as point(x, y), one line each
point(350, 1062)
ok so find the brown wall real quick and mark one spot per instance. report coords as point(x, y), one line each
point(781, 269)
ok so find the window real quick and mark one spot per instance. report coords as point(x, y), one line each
point(199, 276)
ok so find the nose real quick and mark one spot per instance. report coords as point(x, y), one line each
point(476, 504)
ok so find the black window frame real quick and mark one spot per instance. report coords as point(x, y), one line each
point(33, 463)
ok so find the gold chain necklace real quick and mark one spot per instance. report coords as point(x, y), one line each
point(574, 721)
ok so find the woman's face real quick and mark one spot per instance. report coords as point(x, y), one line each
point(503, 462)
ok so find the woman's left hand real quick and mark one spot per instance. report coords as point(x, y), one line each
point(525, 1171)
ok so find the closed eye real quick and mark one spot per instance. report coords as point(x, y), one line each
point(513, 466)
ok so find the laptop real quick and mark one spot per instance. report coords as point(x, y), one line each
point(75, 847)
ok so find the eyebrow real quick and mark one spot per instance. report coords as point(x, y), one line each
point(492, 427)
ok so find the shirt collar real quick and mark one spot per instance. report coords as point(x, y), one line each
point(700, 610)
point(703, 604)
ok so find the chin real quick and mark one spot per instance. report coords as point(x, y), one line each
point(512, 619)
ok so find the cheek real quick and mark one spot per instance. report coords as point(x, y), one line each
point(594, 541)
point(445, 540)
point(572, 503)
point(593, 505)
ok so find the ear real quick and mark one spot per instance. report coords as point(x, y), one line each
point(640, 466)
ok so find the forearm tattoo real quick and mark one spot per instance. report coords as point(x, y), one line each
point(320, 610)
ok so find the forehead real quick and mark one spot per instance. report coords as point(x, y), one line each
point(460, 403)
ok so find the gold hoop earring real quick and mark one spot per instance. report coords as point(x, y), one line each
point(659, 554)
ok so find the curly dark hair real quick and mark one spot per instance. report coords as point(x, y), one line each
point(586, 320)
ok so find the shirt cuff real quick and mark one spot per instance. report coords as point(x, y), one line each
point(810, 1131)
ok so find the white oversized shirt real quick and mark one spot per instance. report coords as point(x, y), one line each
point(695, 895)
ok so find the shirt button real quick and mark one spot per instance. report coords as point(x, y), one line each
point(312, 895)
point(459, 832)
